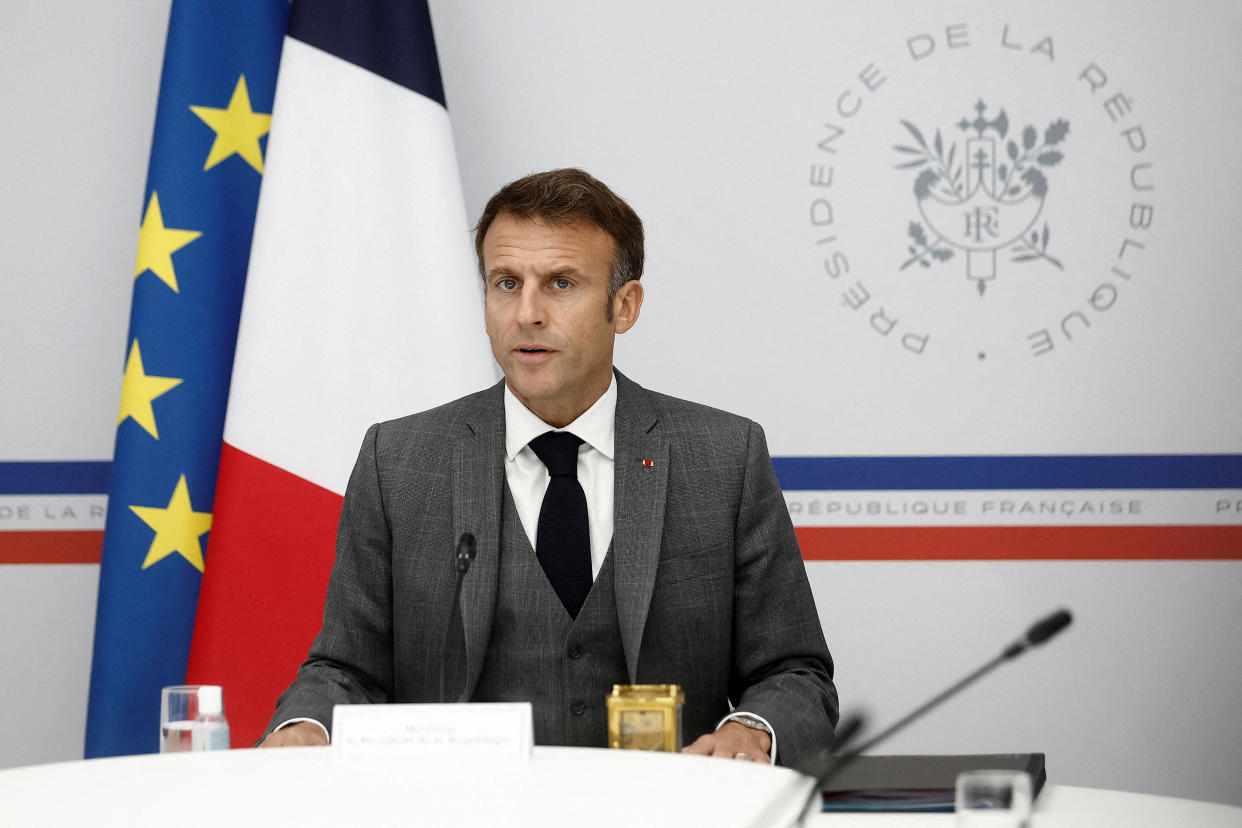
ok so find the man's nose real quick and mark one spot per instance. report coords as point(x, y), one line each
point(531, 309)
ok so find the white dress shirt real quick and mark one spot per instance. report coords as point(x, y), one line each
point(528, 478)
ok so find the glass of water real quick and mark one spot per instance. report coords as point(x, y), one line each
point(993, 799)
point(192, 718)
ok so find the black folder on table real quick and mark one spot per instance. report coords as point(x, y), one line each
point(918, 783)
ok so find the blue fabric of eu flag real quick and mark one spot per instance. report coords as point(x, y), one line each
point(217, 86)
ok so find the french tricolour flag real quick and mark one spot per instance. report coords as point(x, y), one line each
point(362, 303)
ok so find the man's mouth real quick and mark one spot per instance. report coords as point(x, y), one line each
point(532, 353)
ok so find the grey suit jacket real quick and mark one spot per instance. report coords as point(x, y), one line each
point(711, 591)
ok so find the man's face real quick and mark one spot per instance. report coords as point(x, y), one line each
point(546, 298)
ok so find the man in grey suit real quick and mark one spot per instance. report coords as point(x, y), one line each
point(677, 562)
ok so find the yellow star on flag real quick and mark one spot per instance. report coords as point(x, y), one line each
point(238, 128)
point(157, 243)
point(138, 389)
point(177, 528)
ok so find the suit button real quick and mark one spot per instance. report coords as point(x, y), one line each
point(575, 651)
point(578, 708)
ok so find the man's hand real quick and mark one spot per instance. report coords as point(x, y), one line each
point(734, 741)
point(299, 734)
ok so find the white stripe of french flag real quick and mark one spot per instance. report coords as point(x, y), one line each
point(362, 303)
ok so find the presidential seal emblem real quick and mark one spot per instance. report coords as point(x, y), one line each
point(979, 201)
point(953, 216)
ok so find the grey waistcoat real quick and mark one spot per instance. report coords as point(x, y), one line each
point(563, 666)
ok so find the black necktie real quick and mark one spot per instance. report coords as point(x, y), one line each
point(563, 540)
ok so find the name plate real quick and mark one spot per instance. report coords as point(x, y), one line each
point(432, 730)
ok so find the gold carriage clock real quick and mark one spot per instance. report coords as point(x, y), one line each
point(645, 717)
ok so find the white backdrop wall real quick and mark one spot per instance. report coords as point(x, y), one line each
point(709, 119)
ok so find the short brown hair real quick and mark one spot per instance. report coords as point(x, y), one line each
point(563, 197)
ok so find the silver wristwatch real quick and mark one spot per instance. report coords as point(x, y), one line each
point(751, 721)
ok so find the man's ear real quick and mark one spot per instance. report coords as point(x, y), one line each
point(626, 305)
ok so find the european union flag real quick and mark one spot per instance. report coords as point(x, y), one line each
point(215, 100)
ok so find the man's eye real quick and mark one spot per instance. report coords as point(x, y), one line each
point(561, 284)
point(507, 284)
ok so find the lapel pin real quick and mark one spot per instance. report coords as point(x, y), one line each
point(648, 463)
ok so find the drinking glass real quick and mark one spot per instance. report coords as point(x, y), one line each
point(993, 799)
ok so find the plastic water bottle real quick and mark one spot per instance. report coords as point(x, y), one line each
point(210, 730)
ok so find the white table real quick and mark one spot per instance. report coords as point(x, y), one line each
point(570, 787)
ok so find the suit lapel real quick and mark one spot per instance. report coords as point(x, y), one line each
point(478, 481)
point(640, 484)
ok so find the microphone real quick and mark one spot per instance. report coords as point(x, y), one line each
point(1039, 632)
point(464, 555)
point(826, 770)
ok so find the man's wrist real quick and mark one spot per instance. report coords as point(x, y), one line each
point(755, 722)
point(315, 722)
